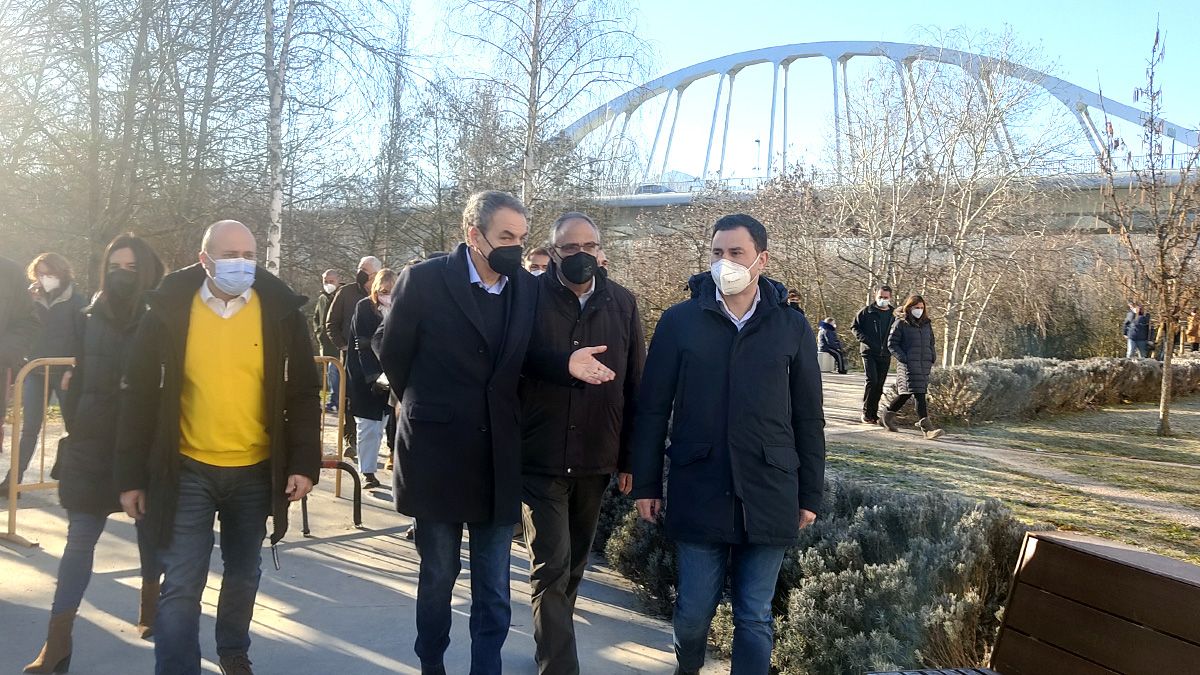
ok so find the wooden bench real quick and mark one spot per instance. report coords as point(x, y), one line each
point(1079, 605)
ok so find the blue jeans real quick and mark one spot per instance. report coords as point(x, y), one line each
point(439, 545)
point(1139, 347)
point(241, 497)
point(75, 568)
point(333, 379)
point(753, 573)
point(33, 406)
point(370, 438)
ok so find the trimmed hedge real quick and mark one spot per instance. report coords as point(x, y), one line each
point(996, 389)
point(883, 580)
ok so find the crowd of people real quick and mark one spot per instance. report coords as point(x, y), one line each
point(511, 387)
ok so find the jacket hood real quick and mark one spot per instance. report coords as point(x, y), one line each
point(177, 289)
point(826, 325)
point(772, 292)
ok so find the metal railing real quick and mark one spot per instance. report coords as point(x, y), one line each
point(16, 486)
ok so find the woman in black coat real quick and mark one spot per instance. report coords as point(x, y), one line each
point(368, 393)
point(102, 333)
point(912, 343)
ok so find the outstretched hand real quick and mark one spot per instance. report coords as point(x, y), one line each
point(585, 368)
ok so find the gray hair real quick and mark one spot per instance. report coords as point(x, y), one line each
point(568, 217)
point(481, 206)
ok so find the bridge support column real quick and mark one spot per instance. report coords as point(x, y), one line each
point(786, 71)
point(671, 134)
point(771, 132)
point(725, 132)
point(712, 129)
point(657, 133)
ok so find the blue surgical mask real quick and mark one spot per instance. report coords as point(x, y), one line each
point(233, 275)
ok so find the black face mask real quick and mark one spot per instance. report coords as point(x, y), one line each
point(121, 284)
point(505, 260)
point(362, 277)
point(579, 268)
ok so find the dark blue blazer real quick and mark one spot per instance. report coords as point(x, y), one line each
point(745, 417)
point(458, 436)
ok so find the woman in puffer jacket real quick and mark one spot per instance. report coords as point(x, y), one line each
point(103, 333)
point(912, 343)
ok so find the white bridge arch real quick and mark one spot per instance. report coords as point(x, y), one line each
point(1078, 100)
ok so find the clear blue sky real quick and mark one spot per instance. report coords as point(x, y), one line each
point(1095, 44)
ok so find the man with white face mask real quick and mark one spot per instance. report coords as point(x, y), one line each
point(219, 416)
point(872, 327)
point(732, 373)
point(325, 347)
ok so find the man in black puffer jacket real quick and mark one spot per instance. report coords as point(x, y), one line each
point(733, 374)
point(872, 327)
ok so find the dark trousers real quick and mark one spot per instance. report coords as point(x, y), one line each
point(439, 545)
point(34, 400)
point(840, 357)
point(877, 368)
point(241, 498)
point(560, 516)
point(922, 404)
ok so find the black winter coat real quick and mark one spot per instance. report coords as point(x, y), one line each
point(1137, 327)
point(827, 338)
point(148, 427)
point(84, 467)
point(59, 318)
point(872, 327)
point(18, 324)
point(363, 366)
point(582, 430)
point(745, 415)
point(458, 437)
point(912, 343)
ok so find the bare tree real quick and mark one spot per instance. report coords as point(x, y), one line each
point(1155, 210)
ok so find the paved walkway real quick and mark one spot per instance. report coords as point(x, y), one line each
point(342, 602)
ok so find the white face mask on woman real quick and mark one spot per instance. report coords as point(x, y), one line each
point(917, 312)
point(732, 278)
point(49, 283)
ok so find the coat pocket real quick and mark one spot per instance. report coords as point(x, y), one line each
point(782, 457)
point(425, 412)
point(682, 454)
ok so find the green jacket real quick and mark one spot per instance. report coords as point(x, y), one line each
point(320, 313)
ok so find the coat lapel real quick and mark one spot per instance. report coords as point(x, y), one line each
point(459, 285)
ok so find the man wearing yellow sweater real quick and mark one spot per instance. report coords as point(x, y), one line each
point(220, 418)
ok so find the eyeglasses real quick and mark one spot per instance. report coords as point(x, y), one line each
point(572, 249)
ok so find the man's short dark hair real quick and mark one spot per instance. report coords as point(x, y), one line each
point(731, 222)
point(481, 206)
point(883, 288)
point(539, 250)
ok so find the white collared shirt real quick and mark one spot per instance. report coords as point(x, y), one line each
point(739, 323)
point(583, 299)
point(222, 308)
point(495, 289)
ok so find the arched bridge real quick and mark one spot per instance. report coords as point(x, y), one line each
point(982, 69)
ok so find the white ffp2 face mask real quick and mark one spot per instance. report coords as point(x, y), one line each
point(917, 312)
point(732, 278)
point(329, 288)
point(49, 283)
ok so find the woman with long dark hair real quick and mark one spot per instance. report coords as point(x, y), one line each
point(84, 468)
point(368, 393)
point(912, 343)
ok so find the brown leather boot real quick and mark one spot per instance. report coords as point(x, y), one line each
point(889, 421)
point(148, 610)
point(56, 653)
point(931, 432)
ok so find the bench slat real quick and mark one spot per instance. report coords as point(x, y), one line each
point(1162, 603)
point(1018, 654)
point(1095, 635)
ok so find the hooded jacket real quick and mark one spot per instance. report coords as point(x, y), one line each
point(827, 338)
point(148, 455)
point(744, 411)
point(871, 328)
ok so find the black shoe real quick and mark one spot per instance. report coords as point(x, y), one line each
point(433, 670)
point(371, 482)
point(350, 453)
point(411, 533)
point(236, 664)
